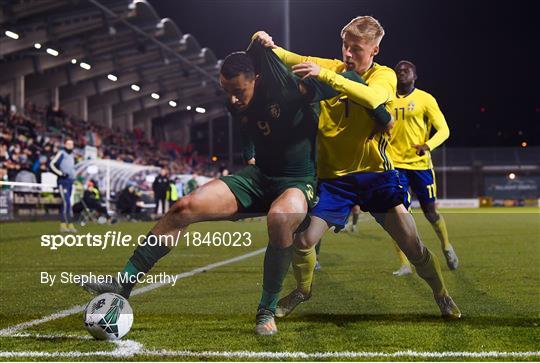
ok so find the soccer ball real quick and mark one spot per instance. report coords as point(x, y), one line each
point(108, 317)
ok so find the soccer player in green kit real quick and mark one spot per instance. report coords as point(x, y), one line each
point(278, 121)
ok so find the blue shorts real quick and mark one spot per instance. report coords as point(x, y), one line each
point(422, 183)
point(373, 192)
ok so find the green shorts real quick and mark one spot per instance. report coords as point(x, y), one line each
point(256, 191)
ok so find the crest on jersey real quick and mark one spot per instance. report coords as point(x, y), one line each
point(410, 106)
point(274, 110)
point(244, 120)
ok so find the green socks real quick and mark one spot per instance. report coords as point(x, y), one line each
point(276, 265)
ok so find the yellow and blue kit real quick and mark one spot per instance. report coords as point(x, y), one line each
point(351, 167)
point(415, 115)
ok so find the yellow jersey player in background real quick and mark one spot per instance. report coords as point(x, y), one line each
point(416, 112)
point(353, 166)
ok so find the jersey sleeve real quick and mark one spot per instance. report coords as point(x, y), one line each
point(436, 117)
point(318, 91)
point(380, 114)
point(277, 78)
point(290, 59)
point(381, 88)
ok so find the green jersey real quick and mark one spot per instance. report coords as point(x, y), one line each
point(279, 126)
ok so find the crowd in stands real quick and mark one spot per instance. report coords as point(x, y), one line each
point(29, 138)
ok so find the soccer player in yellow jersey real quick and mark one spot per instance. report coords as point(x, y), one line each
point(353, 166)
point(415, 113)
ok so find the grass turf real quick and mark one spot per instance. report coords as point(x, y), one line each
point(357, 304)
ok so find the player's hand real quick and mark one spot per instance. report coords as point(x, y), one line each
point(421, 149)
point(306, 70)
point(265, 39)
point(378, 129)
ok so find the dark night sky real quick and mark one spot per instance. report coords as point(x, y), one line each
point(469, 54)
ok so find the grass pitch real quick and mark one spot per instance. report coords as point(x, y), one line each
point(357, 305)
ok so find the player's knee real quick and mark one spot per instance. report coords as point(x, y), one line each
point(432, 216)
point(285, 215)
point(182, 207)
point(303, 242)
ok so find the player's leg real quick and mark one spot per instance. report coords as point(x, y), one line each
point(400, 225)
point(405, 265)
point(213, 201)
point(305, 254)
point(386, 199)
point(424, 186)
point(333, 209)
point(439, 226)
point(355, 215)
point(285, 215)
point(304, 261)
point(317, 254)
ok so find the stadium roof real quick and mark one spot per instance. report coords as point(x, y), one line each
point(114, 52)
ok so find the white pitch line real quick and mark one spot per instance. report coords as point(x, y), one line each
point(346, 354)
point(79, 308)
point(124, 349)
point(131, 348)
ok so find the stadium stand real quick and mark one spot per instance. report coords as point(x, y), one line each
point(96, 73)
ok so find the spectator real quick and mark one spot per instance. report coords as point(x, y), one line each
point(128, 203)
point(93, 201)
point(63, 165)
point(25, 176)
point(160, 188)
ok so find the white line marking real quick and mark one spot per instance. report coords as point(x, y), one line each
point(79, 308)
point(129, 348)
point(304, 355)
point(124, 348)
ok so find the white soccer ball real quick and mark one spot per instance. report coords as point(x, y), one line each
point(108, 317)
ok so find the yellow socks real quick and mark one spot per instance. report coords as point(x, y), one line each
point(440, 228)
point(303, 262)
point(429, 269)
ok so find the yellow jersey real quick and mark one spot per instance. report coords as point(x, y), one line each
point(414, 116)
point(344, 125)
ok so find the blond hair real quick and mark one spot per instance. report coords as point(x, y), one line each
point(364, 27)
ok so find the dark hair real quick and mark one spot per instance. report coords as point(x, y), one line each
point(409, 63)
point(235, 64)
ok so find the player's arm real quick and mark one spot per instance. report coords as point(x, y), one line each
point(248, 148)
point(277, 78)
point(436, 117)
point(380, 114)
point(316, 90)
point(290, 58)
point(380, 90)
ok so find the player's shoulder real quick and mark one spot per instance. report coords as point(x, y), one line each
point(382, 69)
point(428, 97)
point(380, 72)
